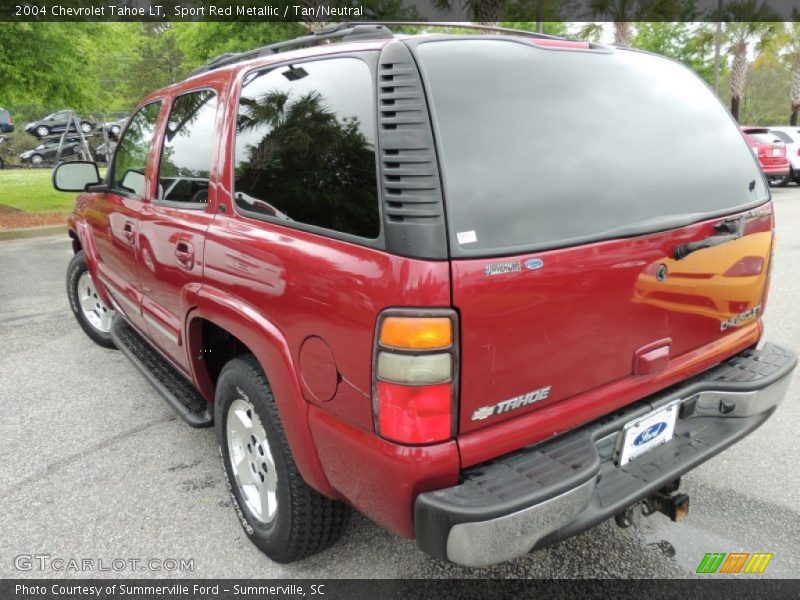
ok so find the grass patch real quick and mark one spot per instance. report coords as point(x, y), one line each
point(32, 190)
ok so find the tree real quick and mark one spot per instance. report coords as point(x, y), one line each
point(62, 80)
point(688, 43)
point(199, 42)
point(313, 162)
point(747, 22)
point(485, 12)
point(788, 39)
point(623, 12)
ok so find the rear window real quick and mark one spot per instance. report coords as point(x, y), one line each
point(766, 137)
point(542, 148)
point(784, 137)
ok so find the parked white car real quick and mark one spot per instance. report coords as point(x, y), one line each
point(791, 136)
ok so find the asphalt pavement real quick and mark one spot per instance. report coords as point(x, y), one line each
point(95, 466)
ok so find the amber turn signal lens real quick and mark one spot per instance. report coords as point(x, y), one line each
point(416, 333)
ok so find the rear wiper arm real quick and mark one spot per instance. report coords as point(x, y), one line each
point(733, 227)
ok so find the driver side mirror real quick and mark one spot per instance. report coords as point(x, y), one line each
point(75, 176)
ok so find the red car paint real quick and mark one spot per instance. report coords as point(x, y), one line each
point(307, 305)
point(771, 155)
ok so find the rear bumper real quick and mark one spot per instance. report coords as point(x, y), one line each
point(540, 495)
point(776, 171)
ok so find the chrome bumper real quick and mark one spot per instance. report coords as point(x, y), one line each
point(540, 495)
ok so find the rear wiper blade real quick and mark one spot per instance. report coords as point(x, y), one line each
point(734, 228)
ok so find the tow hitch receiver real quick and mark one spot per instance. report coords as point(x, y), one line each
point(675, 506)
point(666, 501)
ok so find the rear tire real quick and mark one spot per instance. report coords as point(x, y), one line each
point(280, 513)
point(92, 314)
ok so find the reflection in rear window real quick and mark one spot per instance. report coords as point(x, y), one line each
point(543, 148)
point(765, 138)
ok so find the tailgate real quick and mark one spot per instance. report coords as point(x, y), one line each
point(570, 180)
point(538, 329)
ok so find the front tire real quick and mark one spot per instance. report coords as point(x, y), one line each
point(92, 314)
point(280, 513)
point(37, 159)
point(42, 131)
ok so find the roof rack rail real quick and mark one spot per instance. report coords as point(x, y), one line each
point(459, 25)
point(354, 30)
point(348, 31)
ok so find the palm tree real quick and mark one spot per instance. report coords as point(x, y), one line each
point(623, 12)
point(788, 39)
point(485, 12)
point(747, 22)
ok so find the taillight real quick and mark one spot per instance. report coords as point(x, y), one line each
point(415, 376)
point(746, 267)
point(768, 280)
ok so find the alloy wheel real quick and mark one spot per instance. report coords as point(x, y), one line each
point(96, 312)
point(251, 460)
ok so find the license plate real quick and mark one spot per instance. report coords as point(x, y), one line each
point(647, 432)
point(776, 152)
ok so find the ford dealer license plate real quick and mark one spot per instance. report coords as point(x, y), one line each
point(647, 432)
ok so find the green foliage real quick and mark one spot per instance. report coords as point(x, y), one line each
point(764, 101)
point(200, 42)
point(105, 67)
point(62, 79)
point(692, 44)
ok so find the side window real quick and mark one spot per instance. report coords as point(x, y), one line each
point(131, 157)
point(305, 146)
point(186, 156)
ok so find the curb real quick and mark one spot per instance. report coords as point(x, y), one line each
point(31, 232)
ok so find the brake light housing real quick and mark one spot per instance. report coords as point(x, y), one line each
point(415, 375)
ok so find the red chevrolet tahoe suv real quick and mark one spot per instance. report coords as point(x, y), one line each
point(364, 259)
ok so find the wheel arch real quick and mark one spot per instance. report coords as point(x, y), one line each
point(82, 239)
point(263, 339)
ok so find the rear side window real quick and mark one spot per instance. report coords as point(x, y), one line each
point(130, 159)
point(185, 166)
point(305, 146)
point(542, 148)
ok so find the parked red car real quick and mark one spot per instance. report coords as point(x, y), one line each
point(770, 151)
point(368, 265)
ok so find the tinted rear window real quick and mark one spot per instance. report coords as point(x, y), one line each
point(541, 148)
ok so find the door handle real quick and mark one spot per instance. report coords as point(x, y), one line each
point(127, 231)
point(184, 252)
